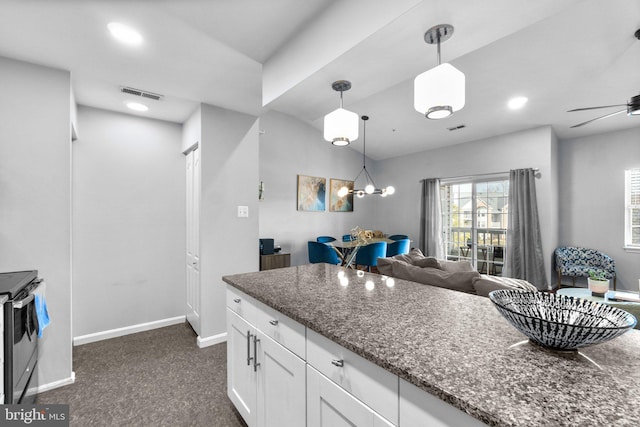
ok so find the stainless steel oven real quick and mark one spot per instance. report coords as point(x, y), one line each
point(20, 334)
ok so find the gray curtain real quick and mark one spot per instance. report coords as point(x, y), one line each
point(524, 257)
point(431, 243)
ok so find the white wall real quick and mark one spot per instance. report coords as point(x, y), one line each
point(592, 196)
point(290, 147)
point(35, 195)
point(128, 221)
point(229, 178)
point(532, 148)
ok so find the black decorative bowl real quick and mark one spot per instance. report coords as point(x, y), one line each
point(560, 321)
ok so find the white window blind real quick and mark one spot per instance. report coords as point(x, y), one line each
point(632, 208)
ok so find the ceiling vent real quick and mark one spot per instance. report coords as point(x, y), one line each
point(457, 127)
point(141, 93)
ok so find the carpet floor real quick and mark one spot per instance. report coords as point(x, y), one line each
point(152, 378)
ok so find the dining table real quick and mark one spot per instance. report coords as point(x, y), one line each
point(347, 250)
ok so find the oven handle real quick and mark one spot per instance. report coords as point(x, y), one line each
point(19, 304)
point(26, 300)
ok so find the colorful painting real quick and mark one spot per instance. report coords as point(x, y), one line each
point(337, 203)
point(311, 193)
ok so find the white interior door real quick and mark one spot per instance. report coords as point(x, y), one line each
point(193, 239)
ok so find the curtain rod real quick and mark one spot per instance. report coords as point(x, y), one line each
point(477, 175)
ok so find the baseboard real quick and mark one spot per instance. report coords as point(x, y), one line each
point(213, 340)
point(114, 333)
point(50, 386)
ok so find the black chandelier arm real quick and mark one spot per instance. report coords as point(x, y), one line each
point(361, 191)
point(370, 178)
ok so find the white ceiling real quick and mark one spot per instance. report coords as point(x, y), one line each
point(239, 54)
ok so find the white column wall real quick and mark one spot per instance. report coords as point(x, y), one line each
point(35, 196)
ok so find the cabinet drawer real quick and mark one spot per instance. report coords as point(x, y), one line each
point(241, 304)
point(373, 385)
point(329, 405)
point(282, 329)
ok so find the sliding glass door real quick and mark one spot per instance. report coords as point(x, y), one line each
point(474, 221)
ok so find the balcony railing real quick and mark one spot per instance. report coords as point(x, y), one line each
point(485, 252)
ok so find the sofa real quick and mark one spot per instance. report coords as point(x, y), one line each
point(456, 275)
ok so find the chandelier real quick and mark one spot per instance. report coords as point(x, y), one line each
point(439, 91)
point(340, 125)
point(370, 187)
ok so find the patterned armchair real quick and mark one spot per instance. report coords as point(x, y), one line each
point(577, 262)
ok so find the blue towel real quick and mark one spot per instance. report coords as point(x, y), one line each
point(42, 313)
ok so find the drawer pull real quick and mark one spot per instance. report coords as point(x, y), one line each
point(249, 358)
point(236, 300)
point(255, 353)
point(338, 363)
point(273, 322)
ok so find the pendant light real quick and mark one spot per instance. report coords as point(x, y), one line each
point(439, 91)
point(341, 126)
point(370, 187)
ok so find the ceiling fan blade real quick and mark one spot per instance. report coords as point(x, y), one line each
point(598, 118)
point(595, 108)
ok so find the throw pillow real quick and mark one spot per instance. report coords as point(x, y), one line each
point(428, 262)
point(462, 281)
point(413, 255)
point(485, 284)
point(456, 266)
point(385, 265)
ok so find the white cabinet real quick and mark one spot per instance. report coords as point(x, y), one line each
point(241, 379)
point(280, 373)
point(418, 407)
point(366, 381)
point(265, 381)
point(329, 405)
point(281, 385)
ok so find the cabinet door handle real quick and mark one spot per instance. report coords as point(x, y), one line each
point(249, 358)
point(255, 353)
point(338, 363)
point(273, 322)
point(236, 300)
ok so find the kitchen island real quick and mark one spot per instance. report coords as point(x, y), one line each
point(454, 346)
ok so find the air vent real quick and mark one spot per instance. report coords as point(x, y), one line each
point(457, 127)
point(141, 93)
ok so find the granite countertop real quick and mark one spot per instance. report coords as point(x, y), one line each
point(457, 347)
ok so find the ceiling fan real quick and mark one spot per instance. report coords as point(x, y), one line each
point(632, 108)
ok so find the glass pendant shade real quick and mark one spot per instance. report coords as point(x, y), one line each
point(341, 127)
point(439, 91)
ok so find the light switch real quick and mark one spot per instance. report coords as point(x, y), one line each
point(243, 211)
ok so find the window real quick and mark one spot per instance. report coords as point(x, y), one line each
point(474, 221)
point(632, 209)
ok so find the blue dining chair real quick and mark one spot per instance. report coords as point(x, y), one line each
point(321, 252)
point(325, 239)
point(347, 238)
point(398, 237)
point(398, 247)
point(368, 255)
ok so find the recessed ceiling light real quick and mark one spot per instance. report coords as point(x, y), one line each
point(517, 102)
point(136, 106)
point(124, 33)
